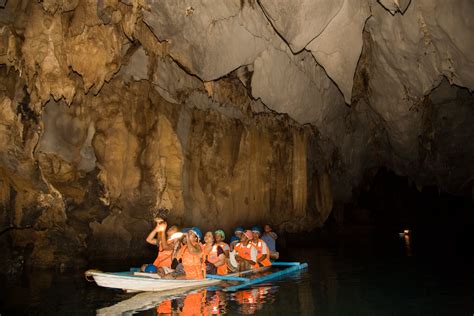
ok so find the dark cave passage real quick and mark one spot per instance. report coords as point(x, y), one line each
point(437, 221)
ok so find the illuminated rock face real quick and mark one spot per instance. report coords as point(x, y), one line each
point(225, 113)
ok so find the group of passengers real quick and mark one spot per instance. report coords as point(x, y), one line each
point(185, 254)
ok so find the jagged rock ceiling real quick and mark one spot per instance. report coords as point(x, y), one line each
point(223, 111)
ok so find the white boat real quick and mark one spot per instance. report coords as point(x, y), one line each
point(131, 281)
point(138, 281)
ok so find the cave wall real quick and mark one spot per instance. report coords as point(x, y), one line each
point(223, 113)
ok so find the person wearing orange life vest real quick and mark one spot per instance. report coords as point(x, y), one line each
point(236, 238)
point(157, 237)
point(246, 252)
point(263, 253)
point(192, 256)
point(214, 255)
point(219, 237)
point(180, 245)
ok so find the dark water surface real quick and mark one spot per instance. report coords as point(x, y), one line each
point(361, 273)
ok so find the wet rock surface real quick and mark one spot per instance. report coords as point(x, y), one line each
point(224, 113)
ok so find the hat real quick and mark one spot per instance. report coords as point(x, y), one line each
point(220, 232)
point(151, 268)
point(257, 229)
point(234, 238)
point(248, 234)
point(239, 229)
point(175, 236)
point(185, 230)
point(197, 232)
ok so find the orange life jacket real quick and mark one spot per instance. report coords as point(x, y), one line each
point(212, 257)
point(164, 258)
point(193, 264)
point(179, 252)
point(224, 246)
point(205, 251)
point(245, 252)
point(260, 244)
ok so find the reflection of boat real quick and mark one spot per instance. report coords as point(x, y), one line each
point(141, 301)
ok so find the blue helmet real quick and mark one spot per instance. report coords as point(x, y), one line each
point(257, 229)
point(234, 238)
point(197, 231)
point(151, 268)
point(185, 230)
point(239, 229)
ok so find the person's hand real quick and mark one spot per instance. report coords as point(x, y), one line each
point(161, 226)
point(158, 220)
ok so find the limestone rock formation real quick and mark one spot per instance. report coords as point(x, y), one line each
point(219, 113)
point(282, 80)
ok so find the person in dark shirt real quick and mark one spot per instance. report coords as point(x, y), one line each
point(270, 237)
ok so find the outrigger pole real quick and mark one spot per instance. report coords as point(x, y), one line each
point(293, 267)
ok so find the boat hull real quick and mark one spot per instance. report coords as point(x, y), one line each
point(145, 282)
point(131, 282)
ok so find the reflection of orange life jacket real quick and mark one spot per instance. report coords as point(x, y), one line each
point(193, 264)
point(245, 297)
point(262, 295)
point(164, 258)
point(260, 245)
point(245, 252)
point(213, 258)
point(215, 303)
point(164, 307)
point(248, 299)
point(194, 304)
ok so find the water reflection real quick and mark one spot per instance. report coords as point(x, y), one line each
point(211, 301)
point(252, 300)
point(407, 238)
point(351, 276)
point(306, 299)
point(202, 302)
